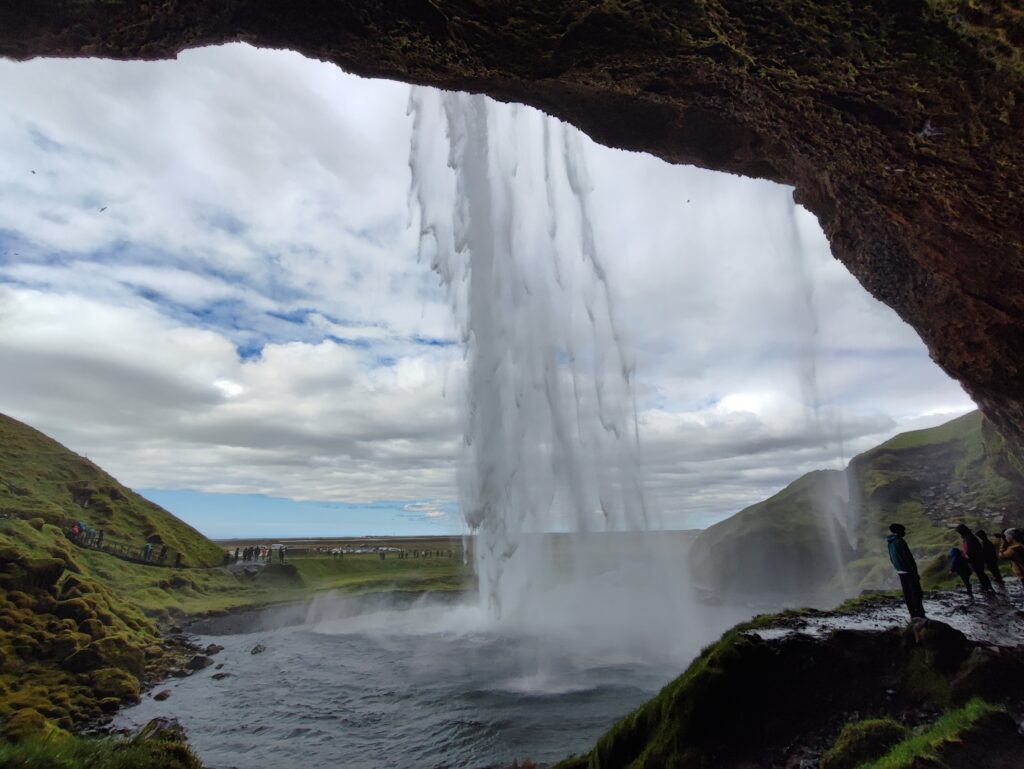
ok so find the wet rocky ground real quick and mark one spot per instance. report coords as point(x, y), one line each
point(994, 620)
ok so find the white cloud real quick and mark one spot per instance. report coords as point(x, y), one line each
point(247, 314)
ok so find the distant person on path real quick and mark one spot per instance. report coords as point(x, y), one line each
point(280, 554)
point(990, 556)
point(972, 549)
point(959, 565)
point(1012, 550)
point(163, 554)
point(906, 568)
point(99, 541)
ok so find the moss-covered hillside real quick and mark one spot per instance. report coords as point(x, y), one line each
point(828, 528)
point(40, 478)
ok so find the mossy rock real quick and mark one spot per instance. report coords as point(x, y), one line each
point(74, 587)
point(43, 572)
point(863, 741)
point(66, 643)
point(116, 683)
point(93, 628)
point(74, 608)
point(30, 724)
point(111, 651)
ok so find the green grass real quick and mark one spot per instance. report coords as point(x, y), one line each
point(862, 741)
point(98, 753)
point(927, 745)
point(40, 478)
point(966, 427)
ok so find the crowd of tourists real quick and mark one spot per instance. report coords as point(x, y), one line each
point(977, 556)
point(87, 536)
point(254, 554)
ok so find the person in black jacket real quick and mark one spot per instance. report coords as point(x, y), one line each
point(906, 568)
point(990, 556)
point(972, 549)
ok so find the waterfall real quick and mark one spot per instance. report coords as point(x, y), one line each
point(551, 438)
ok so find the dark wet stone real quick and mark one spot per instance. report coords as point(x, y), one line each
point(199, 662)
point(162, 695)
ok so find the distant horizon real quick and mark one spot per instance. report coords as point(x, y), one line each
point(219, 540)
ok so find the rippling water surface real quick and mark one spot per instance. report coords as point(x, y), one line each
point(430, 685)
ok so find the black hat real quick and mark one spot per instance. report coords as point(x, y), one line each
point(898, 528)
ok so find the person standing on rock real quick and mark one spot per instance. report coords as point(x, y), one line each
point(972, 549)
point(959, 565)
point(990, 556)
point(906, 568)
point(1012, 550)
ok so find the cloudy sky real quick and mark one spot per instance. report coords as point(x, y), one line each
point(209, 286)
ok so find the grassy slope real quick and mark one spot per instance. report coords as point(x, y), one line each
point(781, 543)
point(892, 483)
point(40, 478)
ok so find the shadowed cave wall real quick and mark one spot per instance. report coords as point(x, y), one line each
point(899, 122)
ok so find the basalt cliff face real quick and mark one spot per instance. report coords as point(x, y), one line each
point(899, 122)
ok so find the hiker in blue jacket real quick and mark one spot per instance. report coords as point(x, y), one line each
point(906, 568)
point(959, 565)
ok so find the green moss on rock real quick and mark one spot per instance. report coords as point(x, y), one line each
point(863, 741)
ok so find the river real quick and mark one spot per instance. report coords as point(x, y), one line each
point(363, 683)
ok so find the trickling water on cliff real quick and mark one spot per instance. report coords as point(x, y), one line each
point(832, 504)
point(551, 439)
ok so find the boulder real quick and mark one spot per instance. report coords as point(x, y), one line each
point(199, 662)
point(114, 682)
point(162, 695)
point(93, 628)
point(110, 704)
point(945, 647)
point(74, 608)
point(66, 643)
point(258, 649)
point(43, 572)
point(162, 729)
point(214, 649)
point(992, 674)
